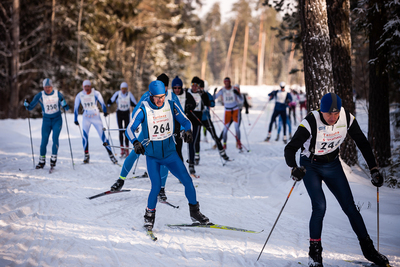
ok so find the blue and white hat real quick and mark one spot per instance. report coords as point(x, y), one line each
point(157, 88)
point(86, 82)
point(331, 102)
point(47, 82)
point(123, 85)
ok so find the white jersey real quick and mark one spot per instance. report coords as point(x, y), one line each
point(159, 122)
point(197, 99)
point(182, 99)
point(280, 97)
point(123, 101)
point(328, 137)
point(50, 103)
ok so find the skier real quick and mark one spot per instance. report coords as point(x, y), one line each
point(130, 160)
point(282, 99)
point(320, 135)
point(232, 100)
point(157, 119)
point(208, 124)
point(194, 116)
point(292, 106)
point(187, 103)
point(50, 100)
point(89, 98)
point(125, 100)
point(280, 127)
point(302, 103)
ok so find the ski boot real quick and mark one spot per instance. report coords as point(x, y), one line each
point(370, 253)
point(149, 218)
point(161, 196)
point(191, 169)
point(284, 139)
point(117, 186)
point(222, 153)
point(277, 138)
point(86, 158)
point(122, 152)
point(126, 152)
point(268, 137)
point(113, 159)
point(53, 161)
point(196, 159)
point(224, 146)
point(315, 254)
point(196, 215)
point(42, 162)
point(239, 146)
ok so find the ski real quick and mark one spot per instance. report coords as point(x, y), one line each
point(214, 226)
point(193, 175)
point(169, 204)
point(108, 193)
point(138, 176)
point(151, 234)
point(364, 263)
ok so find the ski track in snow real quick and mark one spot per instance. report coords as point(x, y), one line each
point(47, 220)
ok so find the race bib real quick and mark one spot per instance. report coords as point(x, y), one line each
point(159, 122)
point(229, 96)
point(123, 102)
point(50, 103)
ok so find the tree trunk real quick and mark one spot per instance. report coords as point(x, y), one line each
point(14, 89)
point(244, 63)
point(339, 32)
point(289, 77)
point(261, 47)
point(79, 38)
point(378, 117)
point(53, 34)
point(316, 50)
point(228, 56)
point(204, 63)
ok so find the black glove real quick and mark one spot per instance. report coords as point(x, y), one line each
point(187, 136)
point(376, 178)
point(236, 92)
point(109, 103)
point(215, 90)
point(138, 147)
point(105, 114)
point(76, 122)
point(298, 173)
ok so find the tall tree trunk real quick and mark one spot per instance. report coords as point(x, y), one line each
point(244, 63)
point(14, 93)
point(316, 50)
point(290, 63)
point(53, 35)
point(228, 56)
point(378, 116)
point(261, 46)
point(78, 49)
point(339, 32)
point(204, 63)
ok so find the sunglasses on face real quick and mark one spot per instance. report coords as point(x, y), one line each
point(176, 87)
point(156, 97)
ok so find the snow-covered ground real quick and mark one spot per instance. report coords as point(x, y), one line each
point(47, 220)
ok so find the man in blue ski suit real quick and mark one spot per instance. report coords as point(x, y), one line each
point(282, 99)
point(157, 119)
point(130, 160)
point(50, 100)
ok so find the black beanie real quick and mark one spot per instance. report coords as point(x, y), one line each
point(201, 84)
point(164, 78)
point(196, 80)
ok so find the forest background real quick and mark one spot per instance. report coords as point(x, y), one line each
point(344, 46)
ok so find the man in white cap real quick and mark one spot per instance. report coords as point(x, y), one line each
point(89, 98)
point(50, 100)
point(125, 100)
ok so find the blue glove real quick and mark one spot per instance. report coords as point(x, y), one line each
point(26, 104)
point(64, 105)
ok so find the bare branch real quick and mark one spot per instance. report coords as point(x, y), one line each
point(31, 45)
point(5, 53)
point(32, 33)
point(30, 60)
point(21, 72)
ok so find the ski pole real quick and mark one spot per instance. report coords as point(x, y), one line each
point(237, 139)
point(247, 138)
point(109, 135)
point(30, 134)
point(70, 147)
point(247, 115)
point(104, 129)
point(258, 117)
point(277, 220)
point(377, 212)
point(137, 161)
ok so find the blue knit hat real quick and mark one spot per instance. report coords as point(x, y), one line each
point(157, 88)
point(47, 82)
point(177, 82)
point(331, 102)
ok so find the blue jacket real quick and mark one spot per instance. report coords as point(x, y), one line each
point(39, 99)
point(158, 149)
point(206, 111)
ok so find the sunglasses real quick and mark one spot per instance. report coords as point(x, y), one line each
point(159, 97)
point(176, 87)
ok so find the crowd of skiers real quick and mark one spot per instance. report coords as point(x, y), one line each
point(169, 117)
